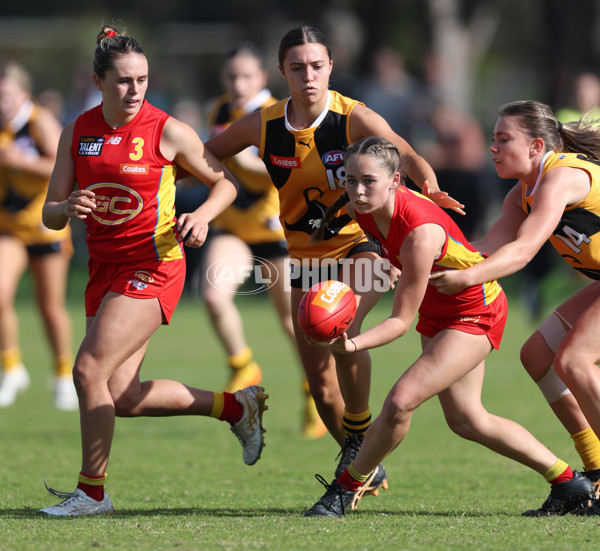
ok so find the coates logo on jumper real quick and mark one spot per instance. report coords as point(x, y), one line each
point(229, 273)
point(115, 203)
point(333, 158)
point(286, 162)
point(129, 168)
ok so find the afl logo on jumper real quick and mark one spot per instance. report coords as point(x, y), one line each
point(335, 157)
point(115, 203)
point(90, 146)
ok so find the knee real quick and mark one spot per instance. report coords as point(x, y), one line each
point(398, 409)
point(323, 393)
point(124, 405)
point(81, 379)
point(536, 356)
point(6, 298)
point(462, 425)
point(571, 366)
point(87, 376)
point(215, 301)
point(527, 356)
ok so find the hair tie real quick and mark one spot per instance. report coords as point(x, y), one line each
point(110, 33)
point(559, 126)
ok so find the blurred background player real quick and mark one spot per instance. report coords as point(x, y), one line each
point(29, 137)
point(248, 229)
point(585, 99)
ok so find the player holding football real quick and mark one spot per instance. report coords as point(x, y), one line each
point(116, 170)
point(457, 334)
point(301, 140)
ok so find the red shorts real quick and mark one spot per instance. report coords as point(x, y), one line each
point(151, 279)
point(490, 323)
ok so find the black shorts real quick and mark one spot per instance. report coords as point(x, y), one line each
point(269, 249)
point(45, 249)
point(264, 249)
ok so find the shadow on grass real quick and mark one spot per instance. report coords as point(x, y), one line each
point(28, 513)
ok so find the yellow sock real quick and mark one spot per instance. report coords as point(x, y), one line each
point(11, 359)
point(63, 365)
point(95, 481)
point(356, 423)
point(356, 475)
point(238, 361)
point(218, 405)
point(556, 470)
point(587, 445)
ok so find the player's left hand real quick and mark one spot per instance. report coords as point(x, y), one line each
point(341, 345)
point(394, 275)
point(442, 199)
point(448, 282)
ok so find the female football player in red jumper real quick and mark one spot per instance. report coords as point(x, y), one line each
point(457, 333)
point(116, 170)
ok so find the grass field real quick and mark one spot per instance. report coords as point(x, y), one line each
point(180, 483)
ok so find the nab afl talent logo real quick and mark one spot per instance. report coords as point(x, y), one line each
point(115, 203)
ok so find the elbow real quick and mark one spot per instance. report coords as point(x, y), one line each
point(522, 258)
point(52, 223)
point(398, 328)
point(54, 226)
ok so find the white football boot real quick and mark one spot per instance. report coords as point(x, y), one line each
point(77, 503)
point(13, 382)
point(65, 395)
point(249, 428)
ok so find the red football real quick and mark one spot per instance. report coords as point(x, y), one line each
point(326, 310)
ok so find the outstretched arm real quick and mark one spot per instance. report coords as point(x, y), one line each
point(364, 122)
point(417, 254)
point(236, 137)
point(516, 238)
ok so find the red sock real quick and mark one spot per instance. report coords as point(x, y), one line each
point(95, 492)
point(348, 482)
point(564, 477)
point(232, 409)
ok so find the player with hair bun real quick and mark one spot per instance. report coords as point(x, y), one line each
point(457, 333)
point(115, 170)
